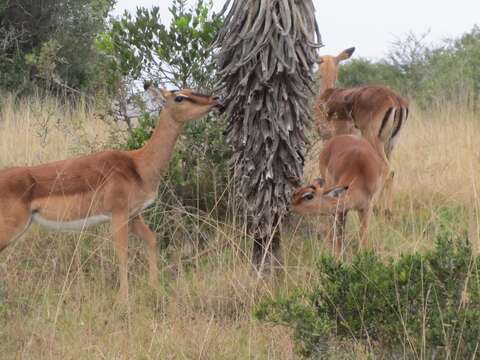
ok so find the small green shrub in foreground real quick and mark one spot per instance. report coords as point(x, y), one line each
point(418, 306)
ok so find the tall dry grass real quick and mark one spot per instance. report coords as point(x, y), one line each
point(57, 291)
point(436, 163)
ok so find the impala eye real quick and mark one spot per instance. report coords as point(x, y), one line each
point(179, 98)
point(308, 196)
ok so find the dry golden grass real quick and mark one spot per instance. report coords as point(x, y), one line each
point(437, 165)
point(57, 291)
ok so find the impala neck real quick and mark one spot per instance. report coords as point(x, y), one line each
point(328, 82)
point(156, 153)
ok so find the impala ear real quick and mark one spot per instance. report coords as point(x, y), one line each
point(294, 181)
point(345, 54)
point(336, 192)
point(165, 93)
point(159, 95)
point(318, 182)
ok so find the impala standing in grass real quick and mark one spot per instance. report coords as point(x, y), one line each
point(111, 186)
point(368, 110)
point(353, 176)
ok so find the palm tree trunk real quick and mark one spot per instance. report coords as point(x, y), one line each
point(266, 52)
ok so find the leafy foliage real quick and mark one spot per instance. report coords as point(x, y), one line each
point(416, 306)
point(141, 47)
point(52, 42)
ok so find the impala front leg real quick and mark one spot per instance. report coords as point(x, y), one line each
point(140, 229)
point(384, 201)
point(339, 222)
point(120, 238)
point(387, 194)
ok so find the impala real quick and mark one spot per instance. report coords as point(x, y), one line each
point(376, 112)
point(111, 186)
point(353, 176)
point(367, 108)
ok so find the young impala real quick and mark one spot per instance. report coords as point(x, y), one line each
point(377, 112)
point(107, 186)
point(353, 175)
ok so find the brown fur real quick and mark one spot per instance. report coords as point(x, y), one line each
point(112, 183)
point(353, 175)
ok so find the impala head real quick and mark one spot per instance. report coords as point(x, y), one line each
point(186, 105)
point(314, 199)
point(328, 67)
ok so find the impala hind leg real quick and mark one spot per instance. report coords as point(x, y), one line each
point(140, 229)
point(120, 239)
point(385, 200)
point(14, 221)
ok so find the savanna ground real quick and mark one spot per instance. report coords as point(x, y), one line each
point(58, 291)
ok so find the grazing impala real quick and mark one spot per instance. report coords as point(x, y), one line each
point(353, 175)
point(365, 109)
point(107, 186)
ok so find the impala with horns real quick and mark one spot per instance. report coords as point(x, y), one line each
point(353, 176)
point(111, 186)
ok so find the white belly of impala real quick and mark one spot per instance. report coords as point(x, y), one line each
point(81, 224)
point(74, 225)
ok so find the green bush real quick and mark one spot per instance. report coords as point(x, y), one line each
point(51, 44)
point(416, 306)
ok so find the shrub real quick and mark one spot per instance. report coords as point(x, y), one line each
point(416, 306)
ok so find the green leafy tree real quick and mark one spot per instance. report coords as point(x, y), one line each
point(141, 47)
point(51, 41)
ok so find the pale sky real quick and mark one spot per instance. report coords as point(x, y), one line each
point(370, 25)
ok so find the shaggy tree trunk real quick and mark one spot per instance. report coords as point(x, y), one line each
point(266, 52)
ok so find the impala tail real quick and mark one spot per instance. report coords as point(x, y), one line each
point(400, 119)
point(388, 124)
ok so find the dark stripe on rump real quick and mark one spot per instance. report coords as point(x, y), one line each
point(385, 119)
point(399, 124)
